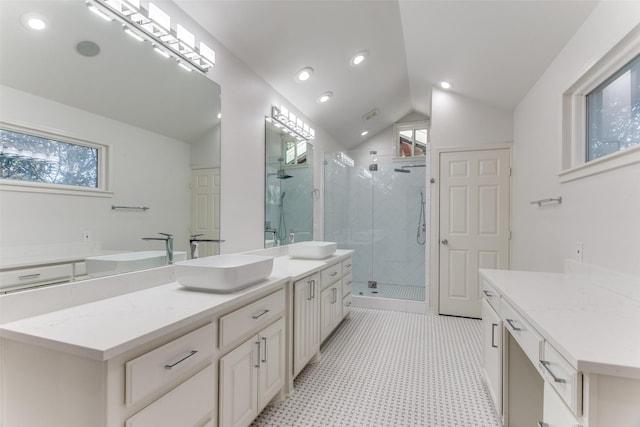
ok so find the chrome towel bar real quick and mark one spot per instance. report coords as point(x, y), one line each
point(549, 200)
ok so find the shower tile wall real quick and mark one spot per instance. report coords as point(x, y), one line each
point(376, 213)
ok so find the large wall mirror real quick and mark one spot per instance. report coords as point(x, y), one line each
point(85, 78)
point(288, 187)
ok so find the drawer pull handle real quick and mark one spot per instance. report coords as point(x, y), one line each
point(493, 335)
point(310, 297)
point(335, 273)
point(487, 293)
point(264, 358)
point(29, 276)
point(348, 265)
point(511, 323)
point(545, 365)
point(257, 365)
point(313, 289)
point(173, 365)
point(349, 282)
point(542, 424)
point(256, 316)
point(348, 304)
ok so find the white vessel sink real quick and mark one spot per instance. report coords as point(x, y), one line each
point(223, 273)
point(312, 250)
point(105, 265)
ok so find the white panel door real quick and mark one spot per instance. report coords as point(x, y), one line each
point(205, 208)
point(474, 225)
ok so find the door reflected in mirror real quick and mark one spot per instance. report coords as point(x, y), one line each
point(288, 188)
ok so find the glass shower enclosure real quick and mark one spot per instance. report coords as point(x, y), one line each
point(380, 209)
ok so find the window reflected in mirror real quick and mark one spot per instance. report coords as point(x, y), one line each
point(411, 140)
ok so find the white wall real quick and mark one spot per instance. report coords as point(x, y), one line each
point(601, 211)
point(163, 185)
point(458, 121)
point(246, 100)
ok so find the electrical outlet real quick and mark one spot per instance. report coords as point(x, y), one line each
point(86, 236)
point(579, 251)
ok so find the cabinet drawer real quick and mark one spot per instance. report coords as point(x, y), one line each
point(566, 380)
point(530, 341)
point(347, 284)
point(159, 367)
point(346, 305)
point(183, 406)
point(491, 295)
point(331, 275)
point(346, 266)
point(250, 319)
point(25, 276)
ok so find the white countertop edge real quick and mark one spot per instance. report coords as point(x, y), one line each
point(104, 354)
point(583, 365)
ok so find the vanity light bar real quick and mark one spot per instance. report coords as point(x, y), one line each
point(154, 25)
point(294, 124)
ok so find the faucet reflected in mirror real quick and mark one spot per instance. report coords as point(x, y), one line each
point(168, 240)
point(195, 241)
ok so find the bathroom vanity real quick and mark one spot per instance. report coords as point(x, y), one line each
point(562, 349)
point(140, 350)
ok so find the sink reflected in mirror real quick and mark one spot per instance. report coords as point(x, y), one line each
point(223, 273)
point(106, 265)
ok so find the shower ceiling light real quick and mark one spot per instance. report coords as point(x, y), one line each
point(154, 25)
point(446, 85)
point(325, 97)
point(304, 74)
point(364, 133)
point(359, 58)
point(292, 124)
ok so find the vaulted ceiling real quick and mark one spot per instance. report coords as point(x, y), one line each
point(491, 51)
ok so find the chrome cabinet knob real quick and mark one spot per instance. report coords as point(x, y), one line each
point(444, 241)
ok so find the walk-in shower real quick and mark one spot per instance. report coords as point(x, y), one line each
point(382, 213)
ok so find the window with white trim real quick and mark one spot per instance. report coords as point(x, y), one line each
point(601, 114)
point(411, 139)
point(33, 157)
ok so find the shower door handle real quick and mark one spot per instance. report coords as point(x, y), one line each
point(444, 242)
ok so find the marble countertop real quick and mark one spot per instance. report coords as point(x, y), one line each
point(594, 326)
point(114, 324)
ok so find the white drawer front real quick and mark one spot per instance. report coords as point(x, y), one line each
point(250, 319)
point(347, 266)
point(159, 367)
point(491, 295)
point(25, 276)
point(346, 305)
point(530, 341)
point(563, 378)
point(183, 406)
point(331, 275)
point(347, 284)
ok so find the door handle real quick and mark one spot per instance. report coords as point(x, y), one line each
point(444, 242)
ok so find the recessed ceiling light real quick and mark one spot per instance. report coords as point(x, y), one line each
point(304, 74)
point(364, 132)
point(359, 58)
point(325, 97)
point(446, 85)
point(33, 22)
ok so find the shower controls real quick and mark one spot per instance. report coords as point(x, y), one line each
point(372, 284)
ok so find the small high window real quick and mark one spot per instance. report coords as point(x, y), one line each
point(613, 112)
point(411, 139)
point(38, 157)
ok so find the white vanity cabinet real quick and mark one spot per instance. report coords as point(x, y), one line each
point(306, 321)
point(18, 278)
point(330, 299)
point(252, 373)
point(492, 353)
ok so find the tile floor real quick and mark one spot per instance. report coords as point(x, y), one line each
point(385, 368)
point(405, 292)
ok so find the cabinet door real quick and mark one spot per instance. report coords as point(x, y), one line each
point(272, 355)
point(555, 412)
point(239, 385)
point(492, 353)
point(306, 326)
point(327, 311)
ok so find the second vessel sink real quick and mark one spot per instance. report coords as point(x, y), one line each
point(312, 250)
point(223, 273)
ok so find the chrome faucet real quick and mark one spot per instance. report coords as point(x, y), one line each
point(194, 242)
point(268, 229)
point(292, 235)
point(168, 240)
